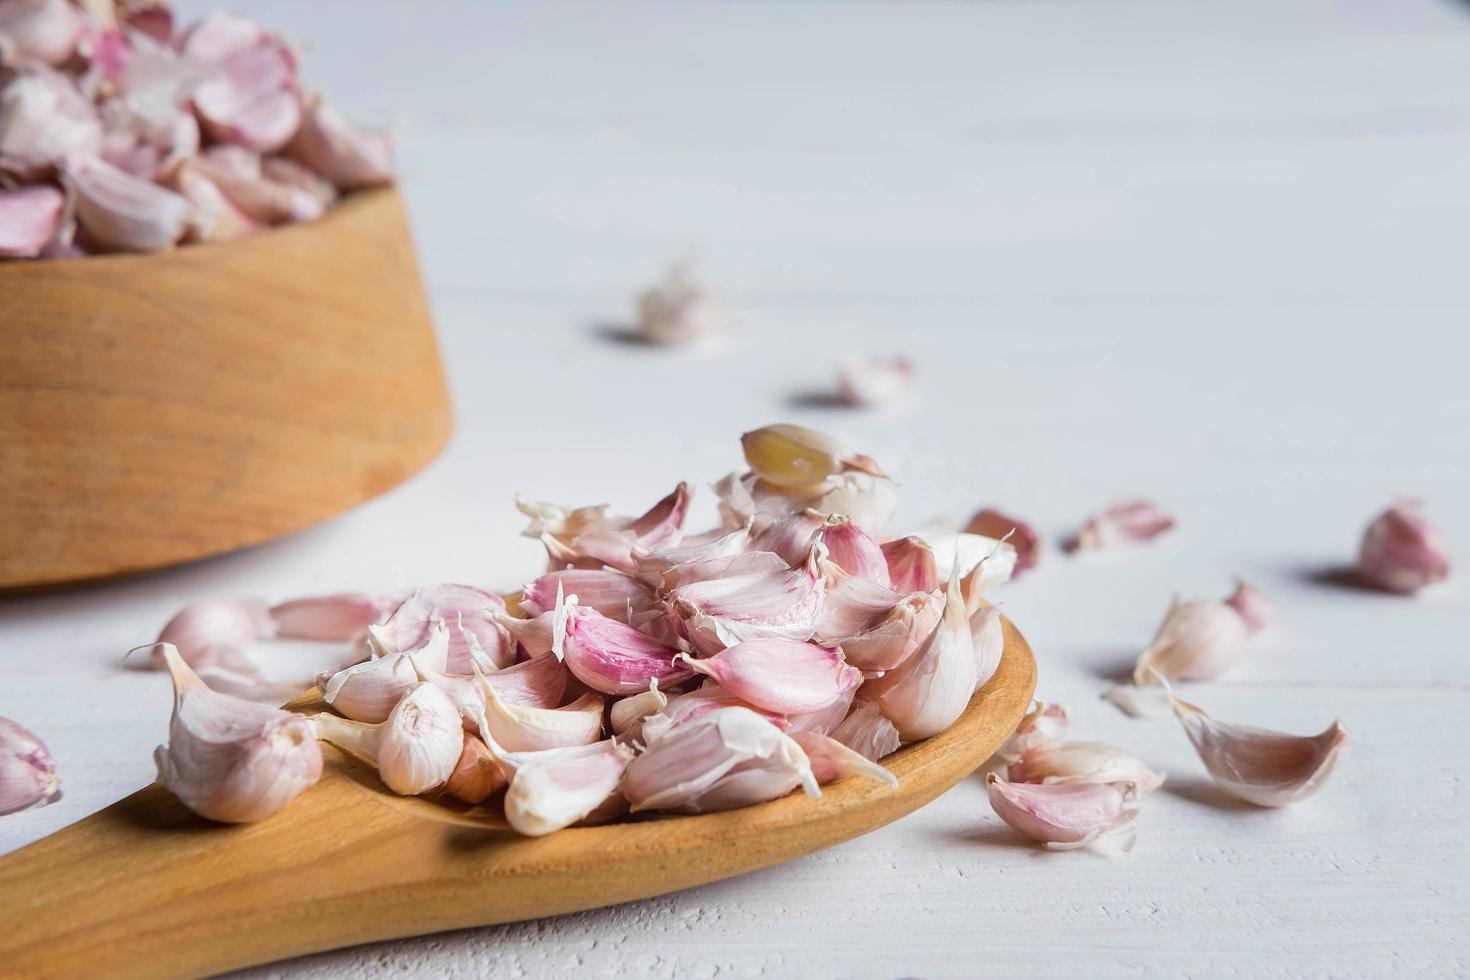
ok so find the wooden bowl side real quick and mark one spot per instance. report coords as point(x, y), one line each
point(160, 408)
point(145, 888)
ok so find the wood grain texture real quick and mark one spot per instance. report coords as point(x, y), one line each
point(161, 408)
point(146, 889)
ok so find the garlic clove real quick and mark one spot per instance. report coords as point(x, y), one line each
point(477, 775)
point(627, 714)
point(729, 757)
point(415, 749)
point(1066, 816)
point(664, 521)
point(1123, 523)
point(677, 310)
point(242, 175)
point(1198, 640)
point(991, 523)
point(867, 500)
point(728, 566)
point(350, 158)
point(983, 562)
point(717, 613)
point(342, 617)
point(213, 624)
point(1402, 552)
point(230, 760)
point(701, 701)
point(369, 691)
point(853, 550)
point(472, 616)
point(795, 457)
point(1254, 608)
point(898, 635)
point(219, 34)
point(610, 656)
point(27, 773)
point(30, 219)
point(38, 30)
point(867, 732)
point(534, 635)
point(853, 605)
point(822, 720)
point(744, 497)
point(1270, 769)
point(557, 788)
point(911, 565)
point(831, 760)
point(1082, 762)
point(614, 594)
point(311, 194)
point(789, 536)
point(928, 691)
point(122, 212)
point(1138, 702)
point(214, 217)
point(250, 97)
point(784, 676)
point(653, 564)
point(45, 120)
point(988, 637)
point(521, 728)
point(868, 382)
point(1045, 724)
point(540, 682)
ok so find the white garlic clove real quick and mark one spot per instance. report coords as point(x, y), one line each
point(557, 788)
point(988, 637)
point(207, 625)
point(701, 701)
point(31, 218)
point(609, 656)
point(350, 158)
point(241, 174)
point(214, 217)
point(312, 193)
point(866, 499)
point(911, 565)
point(369, 691)
point(341, 617)
point(520, 728)
point(726, 566)
point(1254, 608)
point(539, 682)
point(867, 732)
point(1402, 552)
point(779, 675)
point(729, 757)
point(991, 523)
point(614, 594)
point(1198, 640)
point(718, 613)
point(472, 615)
point(926, 693)
point(45, 120)
point(38, 30)
point(853, 550)
point(678, 310)
point(126, 213)
point(1082, 762)
point(822, 720)
point(1045, 724)
point(1123, 523)
point(1270, 769)
point(897, 636)
point(853, 605)
point(984, 562)
point(627, 714)
point(415, 749)
point(831, 760)
point(250, 98)
point(232, 760)
point(1067, 816)
point(868, 382)
point(27, 773)
point(534, 635)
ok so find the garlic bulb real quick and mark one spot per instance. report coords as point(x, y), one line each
point(1082, 762)
point(231, 760)
point(784, 676)
point(1267, 768)
point(27, 773)
point(1198, 640)
point(1403, 552)
point(415, 750)
point(1067, 816)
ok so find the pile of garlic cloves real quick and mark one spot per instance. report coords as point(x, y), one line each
point(124, 131)
point(648, 669)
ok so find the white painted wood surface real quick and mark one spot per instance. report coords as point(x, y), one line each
point(1213, 253)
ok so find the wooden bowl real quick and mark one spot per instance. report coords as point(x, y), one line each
point(161, 408)
point(147, 889)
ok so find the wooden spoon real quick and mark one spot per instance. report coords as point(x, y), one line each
point(145, 888)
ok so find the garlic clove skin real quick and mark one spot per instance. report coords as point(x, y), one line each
point(678, 310)
point(867, 732)
point(789, 536)
point(472, 615)
point(991, 523)
point(1198, 640)
point(350, 158)
point(653, 564)
point(214, 624)
point(728, 566)
point(853, 605)
point(369, 691)
point(895, 638)
point(614, 594)
point(330, 618)
point(555, 789)
point(1129, 522)
point(609, 656)
point(822, 720)
point(1045, 724)
point(230, 760)
point(45, 120)
point(869, 382)
point(1082, 762)
point(783, 676)
point(988, 636)
point(701, 701)
point(1067, 816)
point(38, 30)
point(926, 693)
point(663, 523)
point(627, 714)
point(1402, 552)
point(415, 750)
point(540, 682)
point(519, 728)
point(476, 776)
point(984, 562)
point(717, 613)
point(853, 550)
point(730, 757)
point(797, 458)
point(27, 773)
point(866, 499)
point(831, 760)
point(1255, 609)
point(911, 565)
point(30, 220)
point(125, 213)
point(1269, 769)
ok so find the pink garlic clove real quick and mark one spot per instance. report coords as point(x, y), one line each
point(789, 536)
point(784, 676)
point(730, 757)
point(1198, 640)
point(311, 193)
point(701, 701)
point(614, 594)
point(220, 34)
point(867, 732)
point(125, 213)
point(518, 728)
point(1130, 521)
point(831, 760)
point(1068, 816)
point(350, 158)
point(988, 635)
point(1402, 552)
point(30, 220)
point(911, 565)
point(1045, 724)
point(471, 614)
point(210, 624)
point(992, 523)
point(610, 656)
point(416, 749)
point(664, 521)
point(342, 617)
point(1254, 608)
point(729, 566)
point(869, 382)
point(27, 773)
point(853, 550)
point(241, 174)
point(652, 564)
point(852, 606)
point(1082, 762)
point(44, 120)
point(476, 776)
point(215, 218)
point(45, 31)
point(897, 636)
point(557, 788)
point(718, 613)
point(369, 691)
point(823, 720)
point(627, 714)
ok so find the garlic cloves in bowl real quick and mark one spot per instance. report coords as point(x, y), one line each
point(415, 749)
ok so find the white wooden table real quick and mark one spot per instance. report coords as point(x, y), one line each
point(1211, 253)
